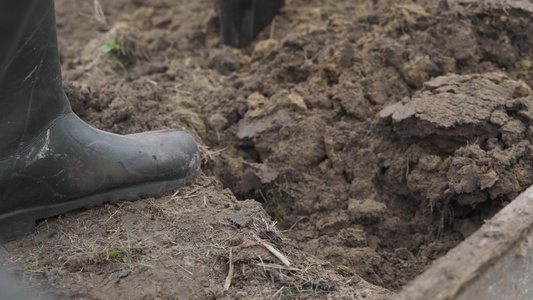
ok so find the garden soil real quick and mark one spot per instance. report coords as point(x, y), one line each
point(360, 140)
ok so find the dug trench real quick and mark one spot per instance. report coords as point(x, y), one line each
point(377, 134)
point(381, 140)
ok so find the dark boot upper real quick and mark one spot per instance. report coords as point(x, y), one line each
point(31, 94)
point(49, 157)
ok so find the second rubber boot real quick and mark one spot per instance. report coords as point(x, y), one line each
point(52, 162)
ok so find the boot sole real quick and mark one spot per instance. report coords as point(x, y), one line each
point(21, 222)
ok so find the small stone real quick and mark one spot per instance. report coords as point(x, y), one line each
point(327, 285)
point(241, 219)
point(264, 48)
point(297, 102)
point(522, 90)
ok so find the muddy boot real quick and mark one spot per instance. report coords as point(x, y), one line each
point(242, 20)
point(52, 162)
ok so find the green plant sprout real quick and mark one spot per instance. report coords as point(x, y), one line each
point(113, 254)
point(111, 46)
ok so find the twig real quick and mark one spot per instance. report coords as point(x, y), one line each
point(262, 264)
point(319, 52)
point(275, 266)
point(272, 29)
point(115, 236)
point(111, 216)
point(295, 223)
point(278, 292)
point(273, 250)
point(230, 272)
point(99, 13)
point(176, 263)
point(150, 81)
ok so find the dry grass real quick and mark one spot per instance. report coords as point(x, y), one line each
point(200, 233)
point(209, 157)
point(75, 245)
point(99, 13)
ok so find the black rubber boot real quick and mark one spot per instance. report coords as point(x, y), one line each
point(52, 162)
point(242, 20)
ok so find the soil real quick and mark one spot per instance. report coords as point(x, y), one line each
point(377, 134)
point(176, 247)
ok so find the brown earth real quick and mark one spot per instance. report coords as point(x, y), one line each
point(378, 134)
point(176, 247)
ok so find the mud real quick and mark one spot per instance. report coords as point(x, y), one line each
point(378, 166)
point(378, 134)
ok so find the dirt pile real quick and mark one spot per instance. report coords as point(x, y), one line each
point(476, 141)
point(337, 130)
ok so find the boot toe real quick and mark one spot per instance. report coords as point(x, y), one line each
point(165, 153)
point(71, 165)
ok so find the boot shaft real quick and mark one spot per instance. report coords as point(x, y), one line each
point(31, 93)
point(14, 15)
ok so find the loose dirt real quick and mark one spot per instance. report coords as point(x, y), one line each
point(377, 134)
